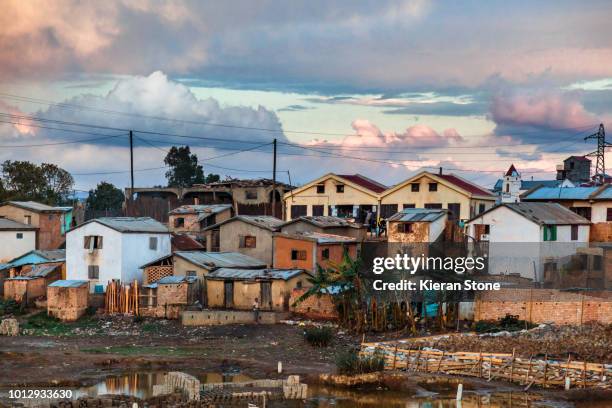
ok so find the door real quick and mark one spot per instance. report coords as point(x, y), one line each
point(455, 211)
point(215, 240)
point(266, 295)
point(228, 294)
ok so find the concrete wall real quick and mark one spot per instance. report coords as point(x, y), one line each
point(282, 253)
point(310, 197)
point(67, 304)
point(545, 306)
point(12, 247)
point(135, 249)
point(218, 317)
point(231, 232)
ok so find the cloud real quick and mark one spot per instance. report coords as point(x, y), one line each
point(295, 108)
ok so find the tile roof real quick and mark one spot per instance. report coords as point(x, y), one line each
point(319, 237)
point(262, 221)
point(254, 274)
point(131, 224)
point(37, 207)
point(324, 221)
point(465, 185)
point(10, 225)
point(68, 283)
point(210, 260)
point(418, 215)
point(200, 208)
point(364, 182)
point(542, 213)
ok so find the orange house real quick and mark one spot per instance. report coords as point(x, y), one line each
point(304, 250)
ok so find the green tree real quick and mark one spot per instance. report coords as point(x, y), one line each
point(105, 197)
point(184, 168)
point(47, 183)
point(212, 178)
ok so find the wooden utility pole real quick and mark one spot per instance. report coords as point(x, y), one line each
point(274, 181)
point(131, 166)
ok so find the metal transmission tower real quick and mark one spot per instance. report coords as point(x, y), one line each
point(600, 167)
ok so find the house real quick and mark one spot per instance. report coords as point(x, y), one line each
point(193, 218)
point(24, 263)
point(67, 300)
point(51, 223)
point(576, 169)
point(416, 225)
point(32, 282)
point(246, 196)
point(339, 195)
point(327, 225)
point(462, 198)
point(113, 248)
point(239, 288)
point(169, 296)
point(197, 264)
point(248, 234)
point(510, 188)
point(306, 250)
point(529, 239)
point(16, 237)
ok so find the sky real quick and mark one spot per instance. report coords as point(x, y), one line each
point(381, 88)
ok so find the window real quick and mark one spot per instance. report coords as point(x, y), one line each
point(574, 232)
point(251, 194)
point(92, 242)
point(481, 208)
point(27, 219)
point(487, 229)
point(320, 188)
point(93, 272)
point(507, 187)
point(340, 188)
point(387, 210)
point(325, 253)
point(191, 273)
point(405, 228)
point(609, 214)
point(434, 206)
point(298, 255)
point(247, 241)
point(179, 222)
point(414, 187)
point(298, 284)
point(550, 233)
point(455, 211)
point(597, 262)
point(298, 211)
point(433, 186)
point(19, 235)
point(317, 210)
point(408, 206)
point(582, 211)
point(153, 243)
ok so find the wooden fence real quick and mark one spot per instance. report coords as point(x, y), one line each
point(122, 298)
point(494, 366)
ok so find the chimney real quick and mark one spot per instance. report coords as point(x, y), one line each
point(440, 173)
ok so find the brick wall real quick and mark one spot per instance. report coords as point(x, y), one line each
point(601, 232)
point(67, 304)
point(50, 231)
point(314, 307)
point(545, 306)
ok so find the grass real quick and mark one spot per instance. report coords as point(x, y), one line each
point(319, 336)
point(508, 323)
point(11, 307)
point(144, 350)
point(42, 324)
point(350, 363)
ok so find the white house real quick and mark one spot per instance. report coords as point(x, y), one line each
point(529, 238)
point(109, 248)
point(16, 239)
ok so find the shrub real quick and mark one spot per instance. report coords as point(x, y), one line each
point(350, 362)
point(10, 307)
point(319, 336)
point(509, 323)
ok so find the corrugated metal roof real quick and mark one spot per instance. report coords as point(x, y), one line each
point(69, 283)
point(182, 242)
point(10, 225)
point(38, 207)
point(324, 221)
point(210, 260)
point(200, 208)
point(606, 194)
point(131, 224)
point(529, 184)
point(262, 221)
point(561, 193)
point(175, 280)
point(319, 237)
point(41, 271)
point(418, 215)
point(543, 213)
point(52, 255)
point(254, 274)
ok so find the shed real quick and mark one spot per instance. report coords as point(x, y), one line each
point(169, 296)
point(67, 300)
point(32, 283)
point(416, 225)
point(239, 289)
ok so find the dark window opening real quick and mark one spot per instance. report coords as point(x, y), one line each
point(574, 232)
point(179, 222)
point(92, 242)
point(93, 272)
point(298, 255)
point(298, 211)
point(414, 187)
point(20, 235)
point(317, 210)
point(251, 194)
point(408, 206)
point(433, 206)
point(455, 211)
point(609, 214)
point(153, 243)
point(320, 188)
point(339, 188)
point(582, 211)
point(405, 228)
point(481, 208)
point(325, 253)
point(433, 186)
point(248, 241)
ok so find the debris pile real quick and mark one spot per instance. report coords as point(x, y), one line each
point(9, 327)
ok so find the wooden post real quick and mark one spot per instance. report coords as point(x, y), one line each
point(395, 356)
point(545, 368)
point(567, 367)
point(584, 374)
point(528, 370)
point(512, 365)
point(440, 361)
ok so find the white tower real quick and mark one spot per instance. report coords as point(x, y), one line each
point(511, 187)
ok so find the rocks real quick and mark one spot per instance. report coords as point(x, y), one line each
point(9, 327)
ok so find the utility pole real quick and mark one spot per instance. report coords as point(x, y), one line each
point(274, 181)
point(131, 165)
point(600, 167)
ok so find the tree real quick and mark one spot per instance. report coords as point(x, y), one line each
point(212, 178)
point(184, 168)
point(47, 183)
point(105, 197)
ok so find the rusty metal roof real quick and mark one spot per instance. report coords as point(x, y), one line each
point(418, 215)
point(145, 225)
point(69, 283)
point(213, 260)
point(175, 280)
point(254, 274)
point(324, 221)
point(36, 206)
point(262, 221)
point(319, 237)
point(11, 225)
point(205, 209)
